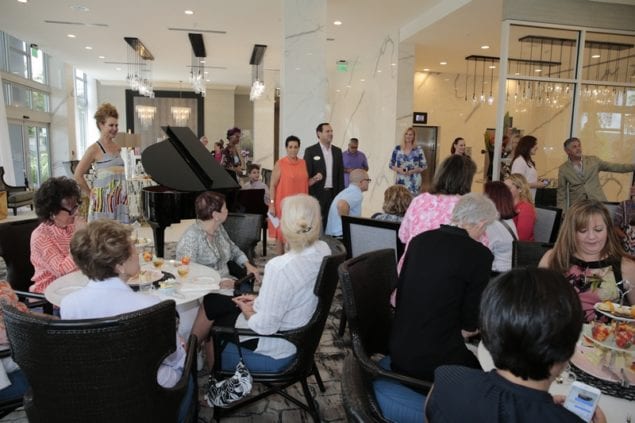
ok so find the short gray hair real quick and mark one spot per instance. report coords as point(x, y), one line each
point(473, 209)
point(301, 221)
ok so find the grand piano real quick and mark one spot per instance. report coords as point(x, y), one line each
point(183, 168)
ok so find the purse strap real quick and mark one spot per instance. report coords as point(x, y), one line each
point(509, 229)
point(240, 351)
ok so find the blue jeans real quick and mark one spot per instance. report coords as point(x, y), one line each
point(255, 362)
point(18, 386)
point(187, 400)
point(398, 402)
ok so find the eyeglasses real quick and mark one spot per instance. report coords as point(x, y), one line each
point(73, 210)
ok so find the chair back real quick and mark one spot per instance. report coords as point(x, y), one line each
point(96, 370)
point(244, 230)
point(367, 282)
point(362, 235)
point(547, 224)
point(266, 176)
point(15, 249)
point(528, 253)
point(252, 201)
point(611, 206)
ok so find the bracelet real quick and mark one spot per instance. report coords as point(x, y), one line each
point(272, 201)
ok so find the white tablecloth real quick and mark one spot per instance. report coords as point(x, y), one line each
point(615, 409)
point(187, 300)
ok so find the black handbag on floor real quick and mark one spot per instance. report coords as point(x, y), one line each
point(224, 392)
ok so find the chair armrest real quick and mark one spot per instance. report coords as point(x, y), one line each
point(35, 300)
point(11, 188)
point(226, 330)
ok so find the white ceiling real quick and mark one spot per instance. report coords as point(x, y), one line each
point(246, 22)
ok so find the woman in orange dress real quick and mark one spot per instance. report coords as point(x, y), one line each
point(289, 177)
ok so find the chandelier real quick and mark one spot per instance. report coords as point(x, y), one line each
point(257, 71)
point(139, 62)
point(197, 68)
point(180, 115)
point(145, 114)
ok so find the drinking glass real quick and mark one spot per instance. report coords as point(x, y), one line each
point(567, 376)
point(183, 270)
point(157, 262)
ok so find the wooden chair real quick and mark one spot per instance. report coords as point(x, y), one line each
point(17, 196)
point(367, 282)
point(99, 370)
point(15, 249)
point(244, 230)
point(528, 253)
point(306, 340)
point(547, 224)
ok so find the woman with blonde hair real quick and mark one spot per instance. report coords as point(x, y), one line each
point(588, 252)
point(408, 162)
point(285, 300)
point(525, 212)
point(397, 198)
point(108, 195)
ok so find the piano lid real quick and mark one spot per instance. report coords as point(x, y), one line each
point(181, 162)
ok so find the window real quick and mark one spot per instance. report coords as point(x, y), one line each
point(16, 95)
point(81, 103)
point(20, 59)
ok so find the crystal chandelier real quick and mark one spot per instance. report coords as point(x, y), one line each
point(197, 68)
point(180, 115)
point(257, 71)
point(139, 62)
point(145, 114)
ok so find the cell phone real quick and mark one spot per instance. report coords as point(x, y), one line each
point(582, 400)
point(244, 285)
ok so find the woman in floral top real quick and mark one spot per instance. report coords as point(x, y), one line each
point(408, 162)
point(206, 241)
point(589, 254)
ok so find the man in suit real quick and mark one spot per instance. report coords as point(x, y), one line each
point(325, 167)
point(578, 177)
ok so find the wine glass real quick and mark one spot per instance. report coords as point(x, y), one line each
point(183, 270)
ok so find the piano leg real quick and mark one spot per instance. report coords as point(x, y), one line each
point(159, 239)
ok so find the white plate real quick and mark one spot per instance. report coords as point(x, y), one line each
point(611, 315)
point(607, 343)
point(146, 276)
point(581, 361)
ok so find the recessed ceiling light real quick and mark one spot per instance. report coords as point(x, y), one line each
point(88, 48)
point(443, 63)
point(517, 73)
point(297, 69)
point(393, 64)
point(206, 72)
point(426, 69)
point(348, 86)
point(337, 23)
point(378, 70)
point(337, 91)
point(202, 61)
point(71, 35)
point(102, 57)
point(117, 69)
point(492, 67)
point(22, 1)
point(538, 70)
point(484, 47)
point(80, 8)
point(595, 56)
point(208, 80)
point(189, 12)
point(362, 80)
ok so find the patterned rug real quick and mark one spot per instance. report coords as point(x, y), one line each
point(329, 358)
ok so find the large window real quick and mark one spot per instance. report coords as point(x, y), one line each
point(17, 95)
point(23, 60)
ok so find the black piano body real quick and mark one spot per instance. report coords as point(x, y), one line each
point(183, 168)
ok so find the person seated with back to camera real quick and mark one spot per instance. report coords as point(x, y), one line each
point(530, 322)
point(397, 198)
point(285, 301)
point(106, 254)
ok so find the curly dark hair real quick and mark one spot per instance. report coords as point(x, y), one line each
point(207, 203)
point(48, 198)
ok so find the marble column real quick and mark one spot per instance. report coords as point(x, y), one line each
point(303, 78)
point(264, 122)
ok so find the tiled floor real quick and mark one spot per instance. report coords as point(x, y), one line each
point(329, 358)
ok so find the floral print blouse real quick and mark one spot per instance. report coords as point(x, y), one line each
point(415, 159)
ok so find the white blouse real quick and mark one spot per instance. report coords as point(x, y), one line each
point(521, 166)
point(500, 244)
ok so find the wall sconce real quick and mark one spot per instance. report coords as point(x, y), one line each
point(145, 114)
point(180, 114)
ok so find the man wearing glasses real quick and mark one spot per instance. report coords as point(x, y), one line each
point(347, 203)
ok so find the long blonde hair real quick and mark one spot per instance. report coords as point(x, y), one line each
point(577, 218)
point(520, 182)
point(403, 139)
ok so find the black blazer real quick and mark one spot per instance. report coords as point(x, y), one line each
point(315, 163)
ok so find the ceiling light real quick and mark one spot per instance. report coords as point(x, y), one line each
point(197, 70)
point(595, 56)
point(378, 70)
point(80, 8)
point(484, 47)
point(88, 48)
point(426, 69)
point(102, 57)
point(362, 80)
point(206, 72)
point(117, 69)
point(337, 23)
point(492, 67)
point(393, 64)
point(257, 71)
point(189, 12)
point(443, 63)
point(538, 70)
point(202, 61)
point(71, 35)
point(22, 1)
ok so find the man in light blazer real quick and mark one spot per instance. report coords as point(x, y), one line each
point(325, 167)
point(578, 177)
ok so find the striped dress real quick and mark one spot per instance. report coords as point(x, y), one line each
point(109, 197)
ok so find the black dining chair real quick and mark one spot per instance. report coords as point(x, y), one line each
point(99, 370)
point(306, 340)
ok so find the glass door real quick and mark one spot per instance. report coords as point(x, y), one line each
point(30, 151)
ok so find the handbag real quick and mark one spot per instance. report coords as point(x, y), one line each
point(224, 392)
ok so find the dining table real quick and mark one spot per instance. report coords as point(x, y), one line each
point(186, 291)
point(613, 401)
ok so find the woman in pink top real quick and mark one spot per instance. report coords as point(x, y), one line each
point(429, 210)
point(56, 204)
point(526, 214)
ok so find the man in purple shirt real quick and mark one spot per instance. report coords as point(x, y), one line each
point(353, 159)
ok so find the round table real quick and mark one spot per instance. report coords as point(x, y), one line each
point(615, 409)
point(200, 281)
